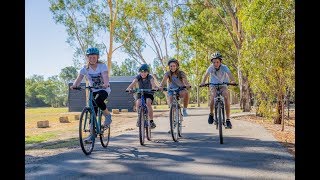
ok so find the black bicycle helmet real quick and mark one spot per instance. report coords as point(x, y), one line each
point(92, 50)
point(173, 60)
point(144, 67)
point(216, 55)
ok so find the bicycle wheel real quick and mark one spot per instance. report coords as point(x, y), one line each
point(180, 123)
point(220, 123)
point(174, 122)
point(141, 126)
point(148, 128)
point(105, 133)
point(84, 131)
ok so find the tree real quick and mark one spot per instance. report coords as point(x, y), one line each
point(268, 52)
point(87, 24)
point(68, 74)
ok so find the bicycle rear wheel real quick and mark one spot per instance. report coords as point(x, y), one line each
point(148, 128)
point(220, 124)
point(174, 122)
point(141, 126)
point(105, 134)
point(85, 130)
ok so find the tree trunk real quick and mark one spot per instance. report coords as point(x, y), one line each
point(244, 92)
point(279, 109)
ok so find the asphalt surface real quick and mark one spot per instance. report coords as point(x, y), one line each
point(249, 152)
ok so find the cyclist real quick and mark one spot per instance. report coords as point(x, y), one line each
point(219, 73)
point(177, 78)
point(96, 72)
point(145, 81)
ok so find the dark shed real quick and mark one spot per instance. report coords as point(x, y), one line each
point(118, 99)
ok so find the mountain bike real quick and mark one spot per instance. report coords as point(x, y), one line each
point(219, 106)
point(90, 122)
point(144, 122)
point(176, 116)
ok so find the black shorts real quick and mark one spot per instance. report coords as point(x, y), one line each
point(146, 96)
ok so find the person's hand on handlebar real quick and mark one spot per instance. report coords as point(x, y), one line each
point(202, 84)
point(73, 86)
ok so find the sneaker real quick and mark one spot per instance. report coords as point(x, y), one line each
point(229, 125)
point(107, 121)
point(152, 124)
point(210, 119)
point(185, 112)
point(88, 140)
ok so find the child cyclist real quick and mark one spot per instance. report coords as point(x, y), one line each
point(145, 81)
point(96, 73)
point(177, 78)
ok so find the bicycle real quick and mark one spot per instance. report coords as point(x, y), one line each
point(219, 107)
point(90, 122)
point(176, 116)
point(144, 122)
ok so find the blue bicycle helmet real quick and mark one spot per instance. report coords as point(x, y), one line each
point(92, 50)
point(144, 67)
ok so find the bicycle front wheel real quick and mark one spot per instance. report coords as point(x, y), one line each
point(220, 124)
point(174, 122)
point(180, 123)
point(105, 134)
point(85, 130)
point(141, 126)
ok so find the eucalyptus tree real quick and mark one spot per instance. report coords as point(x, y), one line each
point(90, 23)
point(268, 52)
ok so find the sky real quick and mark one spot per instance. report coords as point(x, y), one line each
point(46, 49)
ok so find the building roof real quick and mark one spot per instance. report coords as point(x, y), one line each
point(121, 78)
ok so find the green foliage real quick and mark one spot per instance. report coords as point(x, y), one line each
point(268, 51)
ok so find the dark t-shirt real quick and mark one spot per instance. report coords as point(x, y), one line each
point(145, 83)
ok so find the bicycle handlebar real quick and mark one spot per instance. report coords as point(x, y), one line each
point(141, 90)
point(219, 84)
point(175, 89)
point(88, 87)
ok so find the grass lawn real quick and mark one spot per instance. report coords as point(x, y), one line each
point(63, 131)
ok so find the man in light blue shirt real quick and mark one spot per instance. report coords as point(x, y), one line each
point(219, 73)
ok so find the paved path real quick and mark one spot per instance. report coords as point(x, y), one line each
point(248, 152)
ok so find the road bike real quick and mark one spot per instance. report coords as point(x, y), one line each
point(219, 106)
point(143, 120)
point(90, 123)
point(176, 116)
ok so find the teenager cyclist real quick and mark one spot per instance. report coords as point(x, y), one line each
point(219, 73)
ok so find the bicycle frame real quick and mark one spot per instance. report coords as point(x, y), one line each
point(145, 128)
point(143, 106)
point(95, 117)
point(177, 118)
point(219, 107)
point(94, 122)
point(219, 99)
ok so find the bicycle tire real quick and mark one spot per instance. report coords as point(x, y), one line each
point(141, 126)
point(180, 123)
point(148, 128)
point(173, 124)
point(105, 134)
point(220, 123)
point(84, 127)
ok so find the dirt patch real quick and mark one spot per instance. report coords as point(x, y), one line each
point(285, 137)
